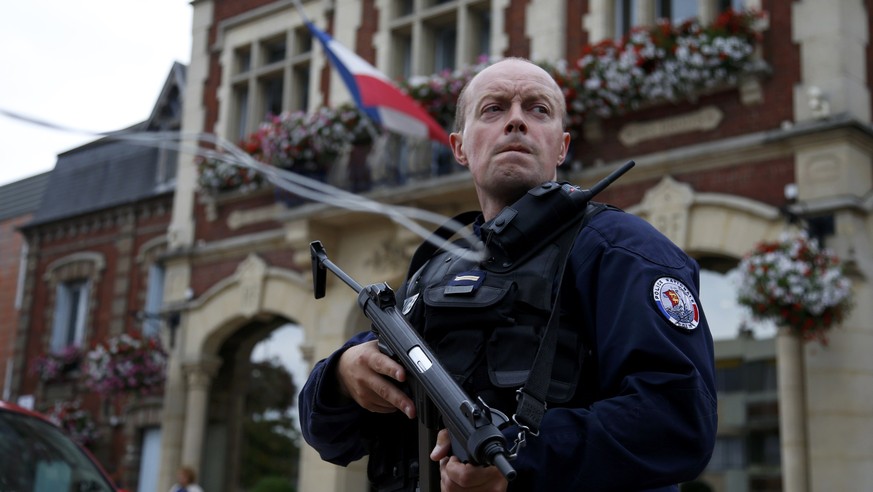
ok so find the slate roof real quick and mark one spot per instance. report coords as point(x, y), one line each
point(111, 172)
point(22, 197)
point(100, 175)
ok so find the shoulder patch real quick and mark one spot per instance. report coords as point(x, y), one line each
point(676, 303)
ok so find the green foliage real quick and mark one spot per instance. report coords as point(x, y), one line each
point(274, 484)
point(270, 447)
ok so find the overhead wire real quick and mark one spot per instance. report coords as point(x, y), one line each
point(221, 149)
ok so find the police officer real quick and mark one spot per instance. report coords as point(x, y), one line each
point(632, 401)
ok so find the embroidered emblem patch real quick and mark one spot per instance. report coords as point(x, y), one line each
point(676, 303)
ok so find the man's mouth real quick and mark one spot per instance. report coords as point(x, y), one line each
point(514, 148)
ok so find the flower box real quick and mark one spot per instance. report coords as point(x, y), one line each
point(126, 363)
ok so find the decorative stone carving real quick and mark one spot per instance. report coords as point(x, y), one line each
point(250, 275)
point(667, 208)
point(706, 118)
point(242, 218)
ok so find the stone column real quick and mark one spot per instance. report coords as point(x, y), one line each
point(792, 410)
point(199, 376)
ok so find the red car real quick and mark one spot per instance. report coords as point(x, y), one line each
point(37, 456)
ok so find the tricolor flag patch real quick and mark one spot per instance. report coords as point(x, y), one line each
point(676, 303)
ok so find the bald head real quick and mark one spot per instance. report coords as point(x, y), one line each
point(463, 97)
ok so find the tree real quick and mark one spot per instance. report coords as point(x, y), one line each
point(270, 437)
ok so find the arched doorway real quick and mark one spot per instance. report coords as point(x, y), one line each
point(246, 397)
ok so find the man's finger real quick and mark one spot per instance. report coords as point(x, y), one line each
point(442, 447)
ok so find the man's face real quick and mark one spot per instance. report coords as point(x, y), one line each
point(513, 137)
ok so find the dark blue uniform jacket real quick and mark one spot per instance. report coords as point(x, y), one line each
point(648, 420)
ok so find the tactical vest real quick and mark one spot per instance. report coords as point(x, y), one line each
point(485, 323)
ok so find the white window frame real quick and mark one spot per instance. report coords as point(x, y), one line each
point(602, 22)
point(242, 96)
point(151, 326)
point(22, 274)
point(149, 465)
point(71, 314)
point(414, 47)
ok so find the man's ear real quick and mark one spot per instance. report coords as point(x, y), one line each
point(565, 147)
point(457, 142)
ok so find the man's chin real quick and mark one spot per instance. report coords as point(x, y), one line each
point(512, 188)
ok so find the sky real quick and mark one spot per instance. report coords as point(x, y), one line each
point(95, 65)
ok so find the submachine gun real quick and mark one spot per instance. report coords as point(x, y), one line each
point(473, 426)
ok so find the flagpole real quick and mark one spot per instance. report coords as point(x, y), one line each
point(299, 6)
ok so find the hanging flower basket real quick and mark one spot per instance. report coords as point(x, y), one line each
point(77, 422)
point(795, 283)
point(56, 366)
point(126, 364)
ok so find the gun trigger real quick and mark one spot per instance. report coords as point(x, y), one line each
point(495, 416)
point(386, 350)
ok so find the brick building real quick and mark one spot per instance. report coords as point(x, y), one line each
point(713, 168)
point(18, 202)
point(93, 267)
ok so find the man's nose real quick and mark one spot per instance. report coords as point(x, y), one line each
point(516, 122)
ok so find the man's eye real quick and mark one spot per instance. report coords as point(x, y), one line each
point(491, 108)
point(542, 109)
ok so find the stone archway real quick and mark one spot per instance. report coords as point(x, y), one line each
point(708, 223)
point(256, 297)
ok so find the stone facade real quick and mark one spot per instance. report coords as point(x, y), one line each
point(711, 174)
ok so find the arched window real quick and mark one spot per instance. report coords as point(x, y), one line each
point(72, 279)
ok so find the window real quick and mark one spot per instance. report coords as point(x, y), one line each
point(269, 75)
point(436, 35)
point(445, 47)
point(625, 17)
point(402, 47)
point(271, 91)
point(764, 448)
point(729, 376)
point(731, 4)
point(761, 376)
point(626, 14)
point(22, 271)
point(274, 50)
point(151, 326)
point(71, 309)
point(677, 10)
point(241, 108)
point(728, 454)
point(149, 464)
point(483, 19)
point(39, 456)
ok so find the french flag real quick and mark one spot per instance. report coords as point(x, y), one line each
point(376, 95)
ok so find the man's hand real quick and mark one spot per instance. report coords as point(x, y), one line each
point(456, 476)
point(363, 372)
